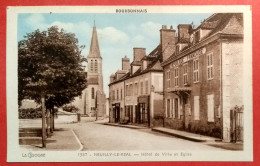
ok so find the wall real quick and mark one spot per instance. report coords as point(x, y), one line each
point(114, 87)
point(202, 88)
point(232, 79)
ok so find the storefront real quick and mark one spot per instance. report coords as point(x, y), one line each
point(143, 110)
point(116, 112)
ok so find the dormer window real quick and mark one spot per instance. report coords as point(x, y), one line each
point(197, 36)
point(177, 49)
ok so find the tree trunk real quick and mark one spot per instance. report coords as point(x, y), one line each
point(43, 122)
point(48, 123)
point(52, 119)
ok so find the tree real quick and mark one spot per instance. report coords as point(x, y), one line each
point(49, 69)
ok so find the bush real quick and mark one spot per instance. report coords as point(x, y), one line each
point(30, 113)
point(70, 108)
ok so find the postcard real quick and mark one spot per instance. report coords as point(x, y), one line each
point(129, 83)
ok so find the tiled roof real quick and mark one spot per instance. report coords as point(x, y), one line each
point(226, 23)
point(219, 23)
point(155, 58)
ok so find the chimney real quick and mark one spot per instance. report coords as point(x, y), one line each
point(184, 31)
point(167, 37)
point(139, 53)
point(125, 63)
point(112, 78)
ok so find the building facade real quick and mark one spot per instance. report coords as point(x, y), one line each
point(136, 97)
point(203, 77)
point(92, 102)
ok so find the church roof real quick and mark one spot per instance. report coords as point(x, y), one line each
point(94, 51)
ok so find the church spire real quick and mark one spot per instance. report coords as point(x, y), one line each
point(94, 51)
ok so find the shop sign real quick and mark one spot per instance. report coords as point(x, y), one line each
point(189, 57)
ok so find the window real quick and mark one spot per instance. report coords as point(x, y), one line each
point(196, 70)
point(176, 108)
point(210, 66)
point(176, 77)
point(127, 93)
point(210, 102)
point(121, 94)
point(117, 94)
point(168, 108)
point(92, 93)
point(185, 74)
point(146, 87)
point(114, 96)
point(136, 88)
point(196, 108)
point(91, 65)
point(131, 90)
point(142, 88)
point(96, 66)
point(172, 108)
point(197, 36)
point(168, 77)
point(177, 49)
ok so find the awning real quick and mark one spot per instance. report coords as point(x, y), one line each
point(179, 89)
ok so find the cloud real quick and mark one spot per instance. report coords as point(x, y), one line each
point(113, 35)
point(138, 41)
point(151, 29)
point(36, 21)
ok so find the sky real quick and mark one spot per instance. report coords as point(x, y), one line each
point(118, 34)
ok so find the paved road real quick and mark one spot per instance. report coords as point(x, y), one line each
point(96, 136)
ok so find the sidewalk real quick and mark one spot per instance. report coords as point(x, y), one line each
point(185, 135)
point(62, 139)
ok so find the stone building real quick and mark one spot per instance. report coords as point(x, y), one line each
point(136, 97)
point(203, 75)
point(93, 98)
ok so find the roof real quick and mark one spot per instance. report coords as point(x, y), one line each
point(155, 58)
point(226, 23)
point(94, 51)
point(136, 63)
point(184, 40)
point(219, 23)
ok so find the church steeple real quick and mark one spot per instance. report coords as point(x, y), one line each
point(94, 51)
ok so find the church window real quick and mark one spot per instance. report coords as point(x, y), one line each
point(93, 93)
point(91, 65)
point(96, 66)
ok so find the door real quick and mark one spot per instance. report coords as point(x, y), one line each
point(176, 109)
point(168, 108)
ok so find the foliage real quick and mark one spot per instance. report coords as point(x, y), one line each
point(70, 108)
point(30, 113)
point(49, 64)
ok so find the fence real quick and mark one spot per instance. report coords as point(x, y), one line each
point(237, 124)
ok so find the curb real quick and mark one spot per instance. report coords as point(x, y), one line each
point(81, 147)
point(125, 126)
point(181, 136)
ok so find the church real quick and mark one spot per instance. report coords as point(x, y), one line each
point(92, 101)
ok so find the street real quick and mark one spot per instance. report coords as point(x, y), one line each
point(97, 136)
